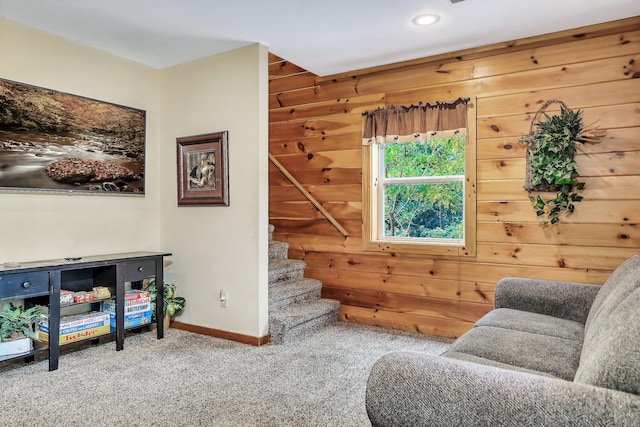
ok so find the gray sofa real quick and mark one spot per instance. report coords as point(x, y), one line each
point(549, 354)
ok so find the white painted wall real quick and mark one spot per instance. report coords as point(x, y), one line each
point(213, 248)
point(48, 225)
point(220, 248)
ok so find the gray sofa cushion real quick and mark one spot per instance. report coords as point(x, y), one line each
point(556, 356)
point(488, 362)
point(566, 300)
point(526, 321)
point(624, 280)
point(419, 389)
point(612, 349)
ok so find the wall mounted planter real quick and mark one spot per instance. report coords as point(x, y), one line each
point(551, 168)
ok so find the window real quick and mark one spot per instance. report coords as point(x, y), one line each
point(419, 185)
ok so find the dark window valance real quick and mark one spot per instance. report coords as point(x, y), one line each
point(423, 121)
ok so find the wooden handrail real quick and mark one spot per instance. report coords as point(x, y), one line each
point(308, 195)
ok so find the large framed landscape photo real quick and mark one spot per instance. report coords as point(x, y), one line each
point(55, 141)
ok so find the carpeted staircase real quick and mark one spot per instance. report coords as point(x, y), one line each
point(295, 306)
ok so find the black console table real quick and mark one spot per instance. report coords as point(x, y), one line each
point(39, 279)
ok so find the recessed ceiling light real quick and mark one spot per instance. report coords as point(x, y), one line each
point(426, 19)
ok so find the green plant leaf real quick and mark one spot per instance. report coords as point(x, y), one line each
point(171, 310)
point(172, 304)
point(550, 154)
point(17, 321)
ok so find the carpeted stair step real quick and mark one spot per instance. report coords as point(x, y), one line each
point(295, 304)
point(301, 319)
point(285, 269)
point(278, 250)
point(283, 294)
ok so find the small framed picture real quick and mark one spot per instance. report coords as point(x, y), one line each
point(203, 170)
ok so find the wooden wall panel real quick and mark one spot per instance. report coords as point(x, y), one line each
point(594, 165)
point(350, 210)
point(614, 235)
point(406, 285)
point(544, 255)
point(331, 125)
point(423, 306)
point(589, 211)
point(319, 176)
point(594, 95)
point(322, 159)
point(324, 193)
point(624, 43)
point(282, 68)
point(319, 226)
point(605, 117)
point(615, 140)
point(553, 78)
point(345, 141)
point(403, 321)
point(597, 188)
point(315, 133)
point(295, 81)
point(356, 104)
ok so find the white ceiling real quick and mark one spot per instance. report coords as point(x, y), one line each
point(322, 36)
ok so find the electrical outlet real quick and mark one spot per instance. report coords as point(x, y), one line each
point(223, 299)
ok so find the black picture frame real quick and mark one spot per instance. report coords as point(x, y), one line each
point(203, 169)
point(52, 141)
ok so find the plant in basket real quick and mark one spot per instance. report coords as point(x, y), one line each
point(173, 304)
point(551, 167)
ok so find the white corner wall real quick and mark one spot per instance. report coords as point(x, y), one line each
point(213, 248)
point(221, 247)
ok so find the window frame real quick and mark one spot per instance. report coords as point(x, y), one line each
point(372, 215)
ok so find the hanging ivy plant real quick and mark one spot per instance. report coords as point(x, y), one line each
point(551, 147)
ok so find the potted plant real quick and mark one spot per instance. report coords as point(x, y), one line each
point(173, 304)
point(17, 330)
point(551, 167)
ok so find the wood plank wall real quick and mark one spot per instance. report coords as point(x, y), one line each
point(315, 132)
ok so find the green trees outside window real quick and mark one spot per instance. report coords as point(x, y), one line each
point(422, 184)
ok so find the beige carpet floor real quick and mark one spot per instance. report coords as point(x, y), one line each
point(187, 379)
